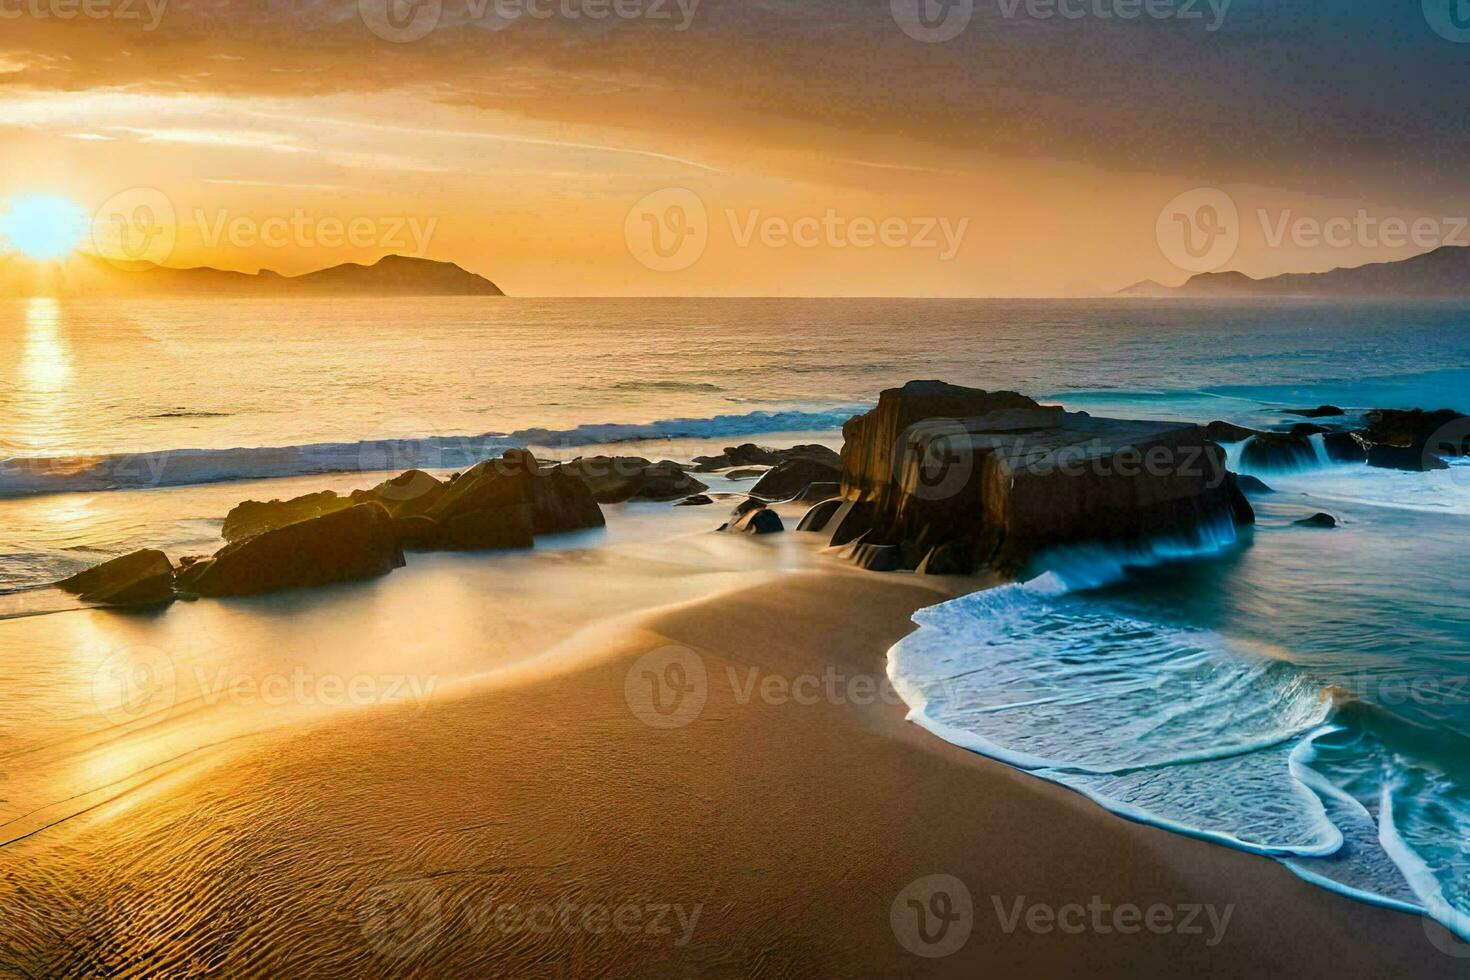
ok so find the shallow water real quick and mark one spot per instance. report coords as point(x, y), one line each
point(1292, 691)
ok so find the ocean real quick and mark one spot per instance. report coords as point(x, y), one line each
point(1292, 691)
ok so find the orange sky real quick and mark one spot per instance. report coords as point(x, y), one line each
point(826, 151)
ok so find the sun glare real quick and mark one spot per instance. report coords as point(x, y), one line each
point(43, 226)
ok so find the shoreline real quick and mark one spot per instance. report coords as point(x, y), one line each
point(790, 817)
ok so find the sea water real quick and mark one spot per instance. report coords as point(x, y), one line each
point(1292, 691)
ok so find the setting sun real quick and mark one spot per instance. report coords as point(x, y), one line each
point(43, 226)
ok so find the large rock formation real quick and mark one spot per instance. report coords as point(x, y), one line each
point(952, 479)
point(749, 454)
point(792, 478)
point(616, 479)
point(1415, 439)
point(356, 542)
point(140, 579)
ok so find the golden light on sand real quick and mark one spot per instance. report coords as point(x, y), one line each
point(43, 226)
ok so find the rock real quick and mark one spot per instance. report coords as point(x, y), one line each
point(750, 454)
point(1414, 439)
point(1344, 447)
point(756, 520)
point(793, 477)
point(1412, 459)
point(1278, 451)
point(874, 557)
point(1318, 520)
point(353, 543)
point(958, 478)
point(420, 533)
point(746, 474)
point(1218, 431)
point(1251, 484)
point(817, 518)
point(489, 528)
point(1308, 429)
point(695, 500)
point(496, 499)
point(142, 578)
point(818, 491)
point(405, 495)
point(1320, 412)
point(746, 506)
point(616, 479)
point(252, 517)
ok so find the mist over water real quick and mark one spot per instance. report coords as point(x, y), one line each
point(1286, 690)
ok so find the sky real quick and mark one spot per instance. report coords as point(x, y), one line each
point(748, 147)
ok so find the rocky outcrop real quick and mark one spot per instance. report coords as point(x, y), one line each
point(142, 578)
point(1278, 451)
point(1414, 439)
point(496, 499)
point(617, 479)
point(749, 454)
point(406, 495)
point(758, 519)
point(790, 479)
point(356, 542)
point(1219, 431)
point(1344, 447)
point(1320, 412)
point(1319, 520)
point(955, 479)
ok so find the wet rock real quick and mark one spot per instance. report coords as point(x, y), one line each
point(818, 517)
point(550, 499)
point(695, 500)
point(959, 478)
point(357, 542)
point(142, 578)
point(617, 479)
point(794, 477)
point(1278, 451)
point(755, 520)
point(1219, 431)
point(1308, 429)
point(1251, 484)
point(1344, 447)
point(1414, 439)
point(1320, 412)
point(1318, 520)
point(749, 454)
point(252, 517)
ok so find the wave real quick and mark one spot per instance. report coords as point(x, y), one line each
point(1191, 730)
point(26, 475)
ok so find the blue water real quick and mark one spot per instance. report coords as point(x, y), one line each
point(1291, 691)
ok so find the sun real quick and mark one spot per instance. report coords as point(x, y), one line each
point(43, 226)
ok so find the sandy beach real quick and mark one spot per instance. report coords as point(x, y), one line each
point(564, 817)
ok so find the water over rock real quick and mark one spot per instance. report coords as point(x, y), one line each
point(959, 478)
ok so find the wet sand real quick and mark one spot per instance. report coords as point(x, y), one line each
point(575, 816)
